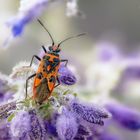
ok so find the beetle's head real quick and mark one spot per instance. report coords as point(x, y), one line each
point(54, 49)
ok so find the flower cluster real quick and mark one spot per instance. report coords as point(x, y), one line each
point(32, 128)
point(63, 116)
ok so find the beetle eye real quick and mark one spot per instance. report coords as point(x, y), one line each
point(50, 48)
point(47, 57)
point(58, 50)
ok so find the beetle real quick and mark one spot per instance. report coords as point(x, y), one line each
point(46, 77)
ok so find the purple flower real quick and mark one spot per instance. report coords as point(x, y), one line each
point(5, 133)
point(82, 130)
point(91, 114)
point(107, 136)
point(6, 110)
point(51, 128)
point(4, 97)
point(50, 125)
point(82, 133)
point(27, 12)
point(66, 77)
point(79, 137)
point(37, 129)
point(20, 124)
point(27, 125)
point(32, 10)
point(132, 72)
point(125, 116)
point(107, 51)
point(66, 126)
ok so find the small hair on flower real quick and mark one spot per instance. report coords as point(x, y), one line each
point(19, 127)
point(66, 125)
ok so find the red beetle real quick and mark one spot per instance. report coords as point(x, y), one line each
point(47, 74)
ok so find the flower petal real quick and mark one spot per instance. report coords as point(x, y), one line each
point(66, 77)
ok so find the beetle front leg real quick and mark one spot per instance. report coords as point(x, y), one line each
point(34, 56)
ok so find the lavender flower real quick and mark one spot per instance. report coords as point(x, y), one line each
point(66, 77)
point(132, 72)
point(27, 12)
point(50, 128)
point(107, 136)
point(66, 126)
point(82, 133)
point(37, 130)
point(50, 125)
point(5, 133)
point(107, 51)
point(32, 10)
point(27, 125)
point(6, 110)
point(125, 116)
point(82, 130)
point(79, 138)
point(20, 124)
point(91, 114)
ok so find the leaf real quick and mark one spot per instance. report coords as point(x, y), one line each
point(66, 92)
point(11, 117)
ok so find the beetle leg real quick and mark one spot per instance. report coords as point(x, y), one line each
point(64, 60)
point(34, 56)
point(58, 82)
point(33, 75)
point(44, 49)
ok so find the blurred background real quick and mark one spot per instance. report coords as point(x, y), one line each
point(106, 59)
point(117, 21)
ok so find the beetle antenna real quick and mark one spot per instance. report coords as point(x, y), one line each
point(46, 30)
point(71, 38)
